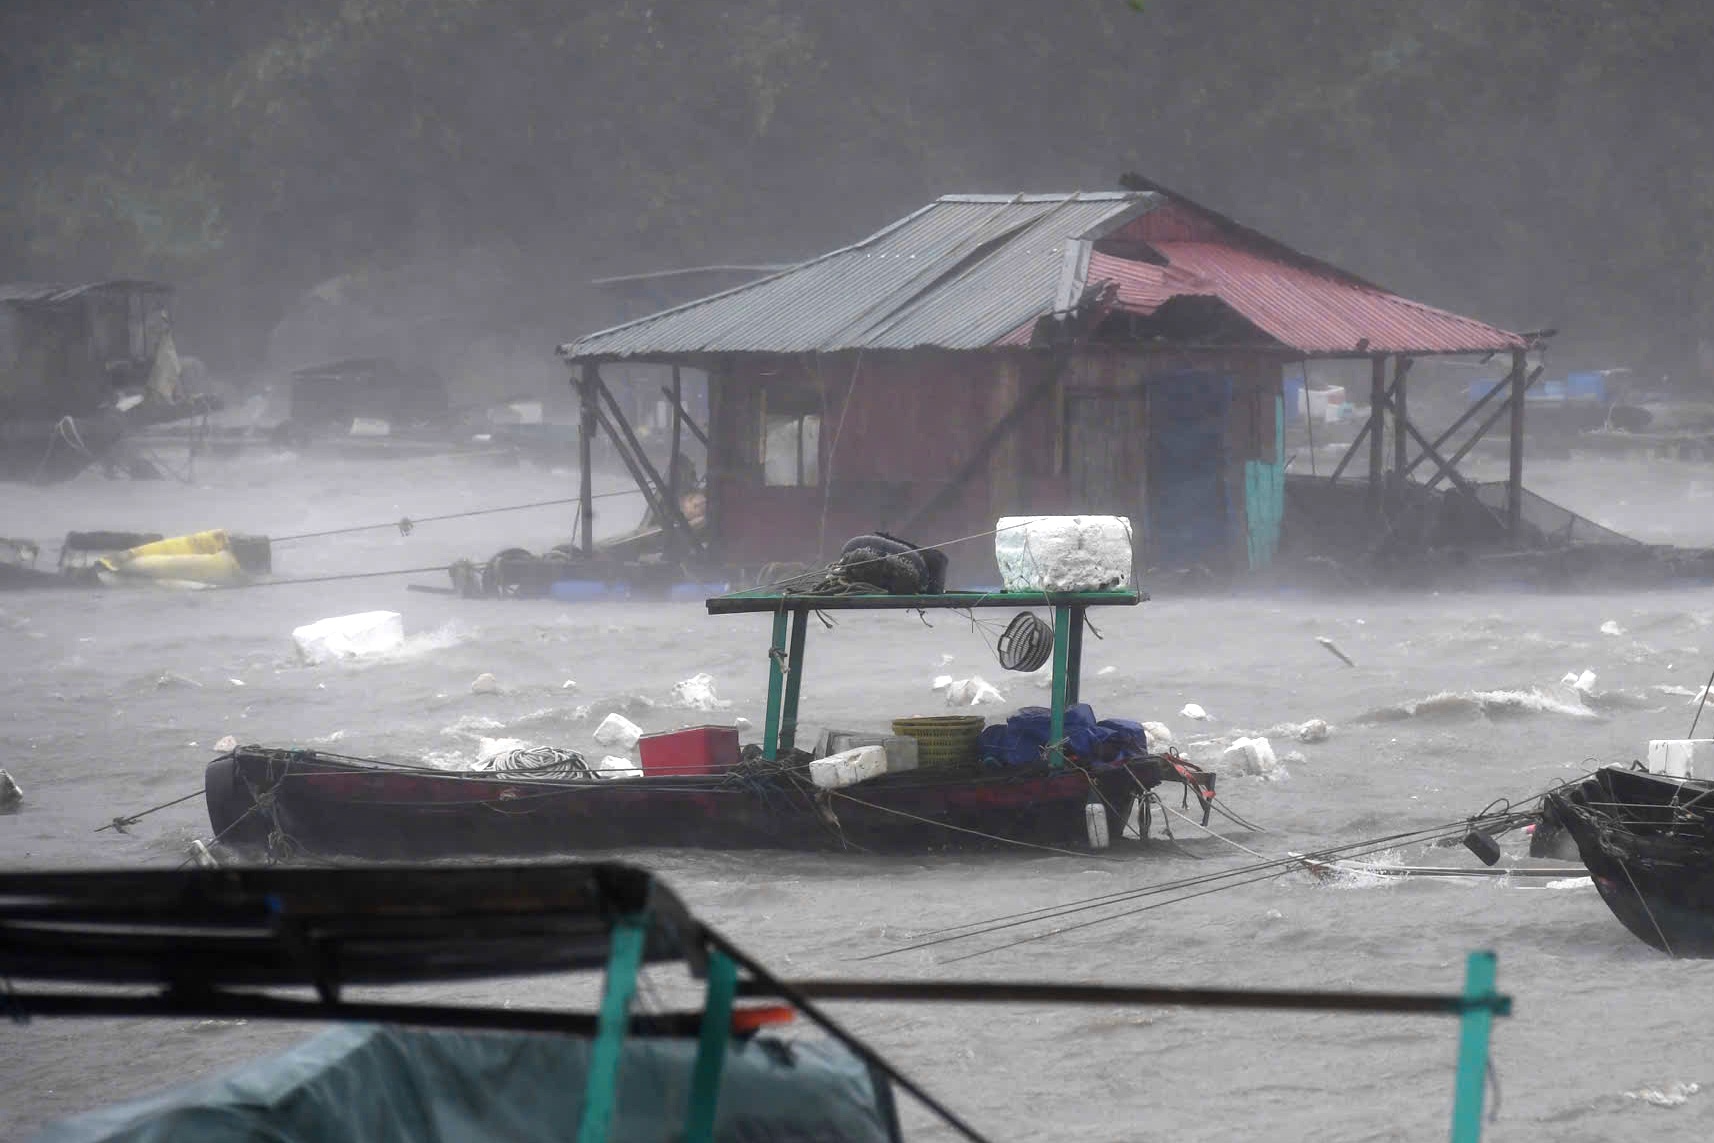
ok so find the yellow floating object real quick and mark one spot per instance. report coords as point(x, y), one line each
point(199, 558)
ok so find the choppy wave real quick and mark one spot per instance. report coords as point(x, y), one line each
point(1481, 704)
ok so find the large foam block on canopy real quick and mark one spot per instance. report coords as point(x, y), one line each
point(1063, 553)
point(349, 636)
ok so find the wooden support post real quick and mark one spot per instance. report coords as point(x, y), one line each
point(585, 455)
point(1377, 410)
point(794, 680)
point(672, 518)
point(1515, 480)
point(1401, 419)
point(673, 489)
point(1481, 430)
point(601, 1086)
point(685, 418)
point(1074, 657)
point(1463, 418)
point(1476, 1025)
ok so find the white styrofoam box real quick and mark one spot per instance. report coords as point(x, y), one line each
point(617, 730)
point(1254, 757)
point(349, 636)
point(837, 771)
point(1063, 553)
point(616, 767)
point(1682, 757)
point(901, 748)
point(973, 691)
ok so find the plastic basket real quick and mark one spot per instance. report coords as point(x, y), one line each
point(943, 740)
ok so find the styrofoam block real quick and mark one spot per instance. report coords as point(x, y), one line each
point(613, 766)
point(1682, 757)
point(617, 730)
point(1253, 756)
point(697, 693)
point(349, 636)
point(1063, 553)
point(1193, 711)
point(1157, 734)
point(837, 771)
point(901, 748)
point(974, 691)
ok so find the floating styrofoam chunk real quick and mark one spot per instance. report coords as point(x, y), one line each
point(1254, 757)
point(485, 684)
point(697, 693)
point(741, 723)
point(974, 691)
point(226, 745)
point(1611, 627)
point(370, 427)
point(199, 853)
point(941, 682)
point(11, 794)
point(613, 766)
point(1192, 711)
point(837, 771)
point(1315, 730)
point(1063, 553)
point(1585, 682)
point(349, 636)
point(1157, 733)
point(568, 685)
point(617, 730)
point(489, 748)
point(946, 659)
point(1108, 670)
point(1682, 757)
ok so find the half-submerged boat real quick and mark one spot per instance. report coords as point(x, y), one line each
point(1647, 840)
point(300, 801)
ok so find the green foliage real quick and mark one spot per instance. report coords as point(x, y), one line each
point(1535, 162)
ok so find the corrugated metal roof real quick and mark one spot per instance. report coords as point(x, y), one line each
point(977, 271)
point(960, 273)
point(1299, 306)
point(39, 293)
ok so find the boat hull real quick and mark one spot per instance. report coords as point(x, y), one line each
point(289, 802)
point(1649, 847)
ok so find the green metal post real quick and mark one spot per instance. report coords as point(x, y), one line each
point(776, 679)
point(1074, 658)
point(711, 1048)
point(624, 958)
point(794, 680)
point(1061, 672)
point(1476, 1025)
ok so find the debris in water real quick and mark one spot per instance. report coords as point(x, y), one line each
point(1583, 683)
point(1315, 730)
point(1671, 1095)
point(617, 730)
point(485, 684)
point(613, 766)
point(941, 683)
point(1192, 711)
point(974, 691)
point(236, 682)
point(1611, 627)
point(226, 745)
point(1157, 733)
point(697, 693)
point(1108, 670)
point(170, 680)
point(1333, 648)
point(11, 794)
point(946, 660)
point(200, 854)
point(1254, 757)
point(568, 685)
point(740, 723)
point(349, 636)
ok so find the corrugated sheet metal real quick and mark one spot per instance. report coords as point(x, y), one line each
point(977, 271)
point(959, 274)
point(1311, 312)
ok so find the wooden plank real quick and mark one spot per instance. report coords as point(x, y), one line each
point(684, 416)
point(1515, 479)
point(585, 457)
point(1481, 431)
point(670, 515)
point(1377, 410)
point(764, 600)
point(1401, 418)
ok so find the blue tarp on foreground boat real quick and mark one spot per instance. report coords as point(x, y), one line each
point(363, 1082)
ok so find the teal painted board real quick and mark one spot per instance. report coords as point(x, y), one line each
point(1264, 497)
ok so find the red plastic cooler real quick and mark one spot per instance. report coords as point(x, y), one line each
point(692, 750)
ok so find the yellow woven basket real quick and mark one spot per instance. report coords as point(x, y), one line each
point(944, 741)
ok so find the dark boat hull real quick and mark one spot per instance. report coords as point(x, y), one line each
point(289, 802)
point(1648, 844)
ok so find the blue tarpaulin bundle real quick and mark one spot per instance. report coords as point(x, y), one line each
point(1023, 737)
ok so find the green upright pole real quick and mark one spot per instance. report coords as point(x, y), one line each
point(776, 678)
point(624, 958)
point(1480, 1002)
point(1061, 671)
point(1074, 658)
point(711, 1048)
point(794, 680)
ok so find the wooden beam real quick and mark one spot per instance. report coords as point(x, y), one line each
point(1515, 479)
point(688, 421)
point(1003, 428)
point(1476, 406)
point(642, 471)
point(678, 427)
point(1401, 418)
point(585, 456)
point(1481, 431)
point(1377, 410)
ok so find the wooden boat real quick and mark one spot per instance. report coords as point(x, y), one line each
point(287, 801)
point(1648, 841)
point(331, 804)
point(288, 944)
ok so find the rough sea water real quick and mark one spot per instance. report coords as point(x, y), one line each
point(114, 701)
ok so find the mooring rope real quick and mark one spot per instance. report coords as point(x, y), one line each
point(407, 524)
